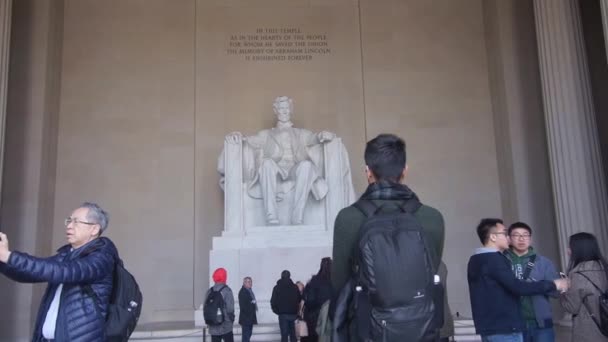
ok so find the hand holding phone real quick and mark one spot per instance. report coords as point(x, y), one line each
point(562, 284)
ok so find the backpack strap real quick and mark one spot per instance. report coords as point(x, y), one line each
point(529, 267)
point(411, 206)
point(89, 290)
point(367, 207)
point(220, 290)
point(592, 283)
point(586, 303)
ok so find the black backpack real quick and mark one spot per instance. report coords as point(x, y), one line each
point(213, 310)
point(396, 296)
point(602, 320)
point(125, 304)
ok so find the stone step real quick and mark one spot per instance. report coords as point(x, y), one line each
point(187, 332)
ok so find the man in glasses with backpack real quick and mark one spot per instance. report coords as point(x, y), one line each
point(68, 312)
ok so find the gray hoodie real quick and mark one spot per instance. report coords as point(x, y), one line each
point(226, 326)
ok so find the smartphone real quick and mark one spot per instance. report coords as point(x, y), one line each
point(563, 275)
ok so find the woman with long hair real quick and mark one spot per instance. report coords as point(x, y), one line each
point(588, 273)
point(317, 291)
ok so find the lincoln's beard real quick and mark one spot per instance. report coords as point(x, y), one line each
point(284, 124)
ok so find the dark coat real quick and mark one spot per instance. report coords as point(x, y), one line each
point(247, 305)
point(92, 264)
point(285, 298)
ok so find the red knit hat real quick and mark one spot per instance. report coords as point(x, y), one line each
point(220, 275)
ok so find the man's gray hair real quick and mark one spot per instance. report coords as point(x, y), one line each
point(97, 215)
point(247, 278)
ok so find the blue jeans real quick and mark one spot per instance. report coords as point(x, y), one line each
point(288, 328)
point(517, 337)
point(532, 334)
point(247, 331)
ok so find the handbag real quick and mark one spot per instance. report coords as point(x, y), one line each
point(301, 328)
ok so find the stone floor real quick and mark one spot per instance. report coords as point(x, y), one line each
point(187, 332)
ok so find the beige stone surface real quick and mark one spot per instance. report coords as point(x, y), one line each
point(126, 138)
point(30, 152)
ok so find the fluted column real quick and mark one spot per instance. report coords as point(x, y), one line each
point(604, 4)
point(576, 168)
point(5, 40)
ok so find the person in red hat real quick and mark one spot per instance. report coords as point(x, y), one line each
point(219, 308)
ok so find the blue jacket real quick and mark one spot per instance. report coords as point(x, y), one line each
point(543, 269)
point(80, 318)
point(495, 293)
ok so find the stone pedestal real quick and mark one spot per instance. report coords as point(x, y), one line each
point(263, 254)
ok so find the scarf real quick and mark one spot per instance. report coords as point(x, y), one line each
point(387, 190)
point(253, 296)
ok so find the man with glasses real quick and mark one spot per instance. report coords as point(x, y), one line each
point(66, 312)
point(528, 265)
point(495, 291)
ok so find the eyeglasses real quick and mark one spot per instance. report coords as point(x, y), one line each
point(520, 236)
point(76, 221)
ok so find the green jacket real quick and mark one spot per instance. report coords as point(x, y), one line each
point(346, 230)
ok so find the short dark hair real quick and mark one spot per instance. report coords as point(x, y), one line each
point(285, 274)
point(484, 227)
point(521, 225)
point(386, 157)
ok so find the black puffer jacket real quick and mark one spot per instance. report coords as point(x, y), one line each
point(285, 298)
point(78, 319)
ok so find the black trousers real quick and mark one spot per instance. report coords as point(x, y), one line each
point(229, 337)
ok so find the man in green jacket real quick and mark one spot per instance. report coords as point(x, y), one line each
point(386, 168)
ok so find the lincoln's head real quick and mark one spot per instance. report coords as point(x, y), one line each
point(283, 107)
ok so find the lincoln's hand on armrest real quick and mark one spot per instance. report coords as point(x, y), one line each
point(235, 138)
point(325, 136)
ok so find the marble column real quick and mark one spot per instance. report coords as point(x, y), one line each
point(5, 41)
point(604, 4)
point(578, 180)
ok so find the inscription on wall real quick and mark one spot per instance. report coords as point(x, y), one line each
point(278, 44)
